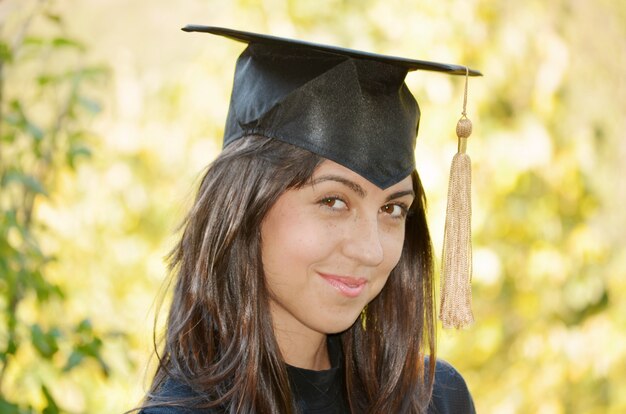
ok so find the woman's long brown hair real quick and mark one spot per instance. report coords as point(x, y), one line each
point(219, 339)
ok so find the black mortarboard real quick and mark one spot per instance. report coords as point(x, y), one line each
point(345, 105)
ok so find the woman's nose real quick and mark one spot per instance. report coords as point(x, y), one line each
point(363, 241)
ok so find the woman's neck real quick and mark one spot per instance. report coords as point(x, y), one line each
point(303, 350)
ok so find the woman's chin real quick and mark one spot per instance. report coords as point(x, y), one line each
point(338, 325)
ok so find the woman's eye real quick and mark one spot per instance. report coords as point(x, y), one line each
point(334, 203)
point(394, 210)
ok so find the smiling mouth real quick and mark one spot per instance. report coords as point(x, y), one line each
point(346, 285)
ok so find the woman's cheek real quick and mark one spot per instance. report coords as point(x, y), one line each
point(394, 242)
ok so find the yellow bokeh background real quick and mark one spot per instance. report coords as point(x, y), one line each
point(548, 153)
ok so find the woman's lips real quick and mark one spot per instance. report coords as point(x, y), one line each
point(346, 285)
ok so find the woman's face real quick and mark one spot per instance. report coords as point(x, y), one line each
point(329, 246)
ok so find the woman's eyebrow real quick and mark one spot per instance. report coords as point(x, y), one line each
point(399, 194)
point(350, 184)
point(357, 188)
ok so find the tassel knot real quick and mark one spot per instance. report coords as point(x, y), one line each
point(464, 128)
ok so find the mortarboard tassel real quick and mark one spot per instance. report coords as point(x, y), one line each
point(456, 269)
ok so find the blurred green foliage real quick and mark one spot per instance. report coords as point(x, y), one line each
point(98, 165)
point(35, 147)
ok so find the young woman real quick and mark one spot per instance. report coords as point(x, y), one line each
point(303, 278)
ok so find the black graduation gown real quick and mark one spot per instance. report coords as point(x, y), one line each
point(321, 392)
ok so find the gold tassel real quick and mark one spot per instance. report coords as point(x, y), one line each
point(456, 269)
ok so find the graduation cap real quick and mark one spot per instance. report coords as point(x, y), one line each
point(351, 107)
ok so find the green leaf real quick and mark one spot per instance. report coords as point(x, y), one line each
point(52, 407)
point(80, 150)
point(6, 55)
point(11, 346)
point(27, 181)
point(6, 250)
point(12, 119)
point(9, 137)
point(46, 78)
point(55, 18)
point(44, 343)
point(84, 326)
point(89, 104)
point(89, 346)
point(11, 218)
point(91, 72)
point(21, 121)
point(58, 292)
point(75, 152)
point(34, 184)
point(87, 350)
point(76, 357)
point(34, 130)
point(59, 42)
point(44, 289)
point(92, 348)
point(16, 117)
point(34, 41)
point(7, 407)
